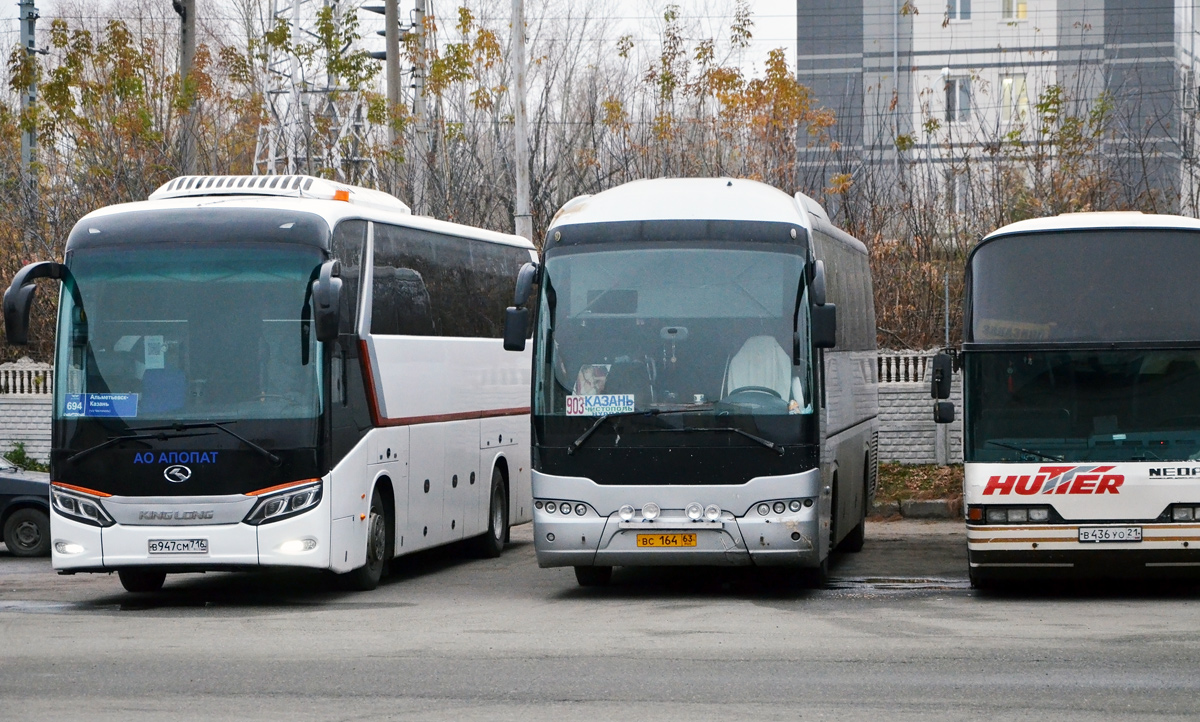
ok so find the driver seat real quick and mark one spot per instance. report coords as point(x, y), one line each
point(760, 362)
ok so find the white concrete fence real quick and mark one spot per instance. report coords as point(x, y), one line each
point(907, 433)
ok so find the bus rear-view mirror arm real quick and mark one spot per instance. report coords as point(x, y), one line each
point(18, 299)
point(516, 316)
point(327, 297)
point(816, 287)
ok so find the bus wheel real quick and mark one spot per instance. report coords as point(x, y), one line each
point(593, 576)
point(27, 533)
point(367, 577)
point(853, 542)
point(141, 580)
point(490, 544)
point(816, 577)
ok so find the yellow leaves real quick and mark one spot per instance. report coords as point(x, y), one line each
point(614, 116)
point(840, 184)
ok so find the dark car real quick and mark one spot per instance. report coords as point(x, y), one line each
point(25, 512)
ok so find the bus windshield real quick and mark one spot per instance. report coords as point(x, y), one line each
point(1110, 405)
point(704, 329)
point(189, 331)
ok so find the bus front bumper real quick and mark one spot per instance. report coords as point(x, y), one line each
point(1047, 551)
point(299, 541)
point(741, 535)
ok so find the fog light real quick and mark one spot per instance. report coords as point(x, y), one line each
point(298, 546)
point(764, 509)
point(650, 511)
point(780, 507)
point(551, 507)
point(1016, 516)
point(694, 511)
point(1182, 513)
point(625, 512)
point(67, 548)
point(997, 516)
point(712, 512)
point(1039, 515)
point(794, 505)
point(580, 509)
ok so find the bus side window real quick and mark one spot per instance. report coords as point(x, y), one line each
point(348, 241)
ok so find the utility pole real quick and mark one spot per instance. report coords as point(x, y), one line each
point(28, 17)
point(420, 110)
point(187, 54)
point(391, 19)
point(522, 217)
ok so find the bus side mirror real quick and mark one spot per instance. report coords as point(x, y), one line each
point(943, 412)
point(942, 368)
point(816, 289)
point(18, 299)
point(824, 325)
point(516, 324)
point(327, 298)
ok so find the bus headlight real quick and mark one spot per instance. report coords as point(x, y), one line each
point(650, 511)
point(625, 512)
point(79, 507)
point(284, 504)
point(712, 512)
point(694, 511)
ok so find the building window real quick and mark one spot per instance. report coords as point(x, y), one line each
point(958, 99)
point(1014, 99)
point(958, 9)
point(1013, 9)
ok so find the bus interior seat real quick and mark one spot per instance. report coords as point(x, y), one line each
point(761, 361)
point(630, 377)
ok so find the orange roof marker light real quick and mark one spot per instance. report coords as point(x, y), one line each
point(287, 186)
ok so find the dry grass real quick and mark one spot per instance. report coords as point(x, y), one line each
point(926, 481)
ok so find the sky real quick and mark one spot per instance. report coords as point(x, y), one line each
point(774, 21)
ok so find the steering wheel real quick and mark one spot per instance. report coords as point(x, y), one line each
point(756, 390)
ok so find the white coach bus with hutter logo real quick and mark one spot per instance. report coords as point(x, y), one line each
point(704, 381)
point(1081, 395)
point(279, 371)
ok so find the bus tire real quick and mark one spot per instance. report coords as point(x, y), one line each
point(27, 533)
point(141, 581)
point(853, 542)
point(367, 577)
point(490, 544)
point(816, 577)
point(593, 576)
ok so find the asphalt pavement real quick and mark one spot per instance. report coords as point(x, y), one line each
point(897, 635)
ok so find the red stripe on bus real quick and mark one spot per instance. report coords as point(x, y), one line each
point(379, 420)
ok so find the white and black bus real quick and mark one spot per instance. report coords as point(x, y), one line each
point(279, 371)
point(1081, 393)
point(695, 400)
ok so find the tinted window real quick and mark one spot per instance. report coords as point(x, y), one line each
point(348, 240)
point(1094, 285)
point(430, 284)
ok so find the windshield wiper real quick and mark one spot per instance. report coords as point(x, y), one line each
point(1040, 455)
point(777, 448)
point(574, 445)
point(219, 425)
point(114, 440)
point(162, 435)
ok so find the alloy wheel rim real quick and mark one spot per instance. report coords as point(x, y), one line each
point(27, 534)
